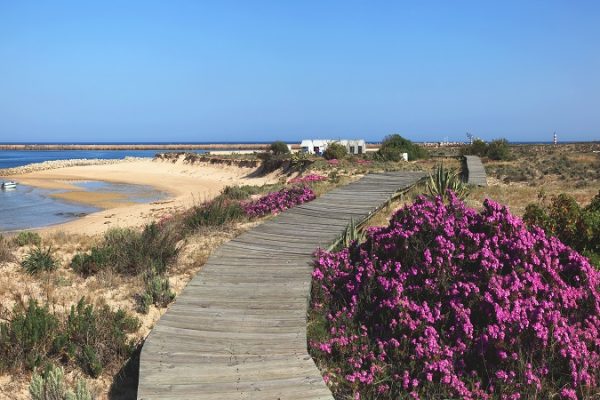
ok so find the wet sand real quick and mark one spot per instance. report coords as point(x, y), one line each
point(185, 185)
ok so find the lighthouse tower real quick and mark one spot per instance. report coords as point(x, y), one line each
point(555, 141)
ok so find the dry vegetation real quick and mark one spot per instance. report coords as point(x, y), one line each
point(574, 169)
point(532, 173)
point(63, 288)
point(111, 270)
point(541, 171)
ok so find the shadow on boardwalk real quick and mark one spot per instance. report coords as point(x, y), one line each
point(238, 330)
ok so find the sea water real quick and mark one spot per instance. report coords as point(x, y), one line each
point(18, 158)
point(26, 207)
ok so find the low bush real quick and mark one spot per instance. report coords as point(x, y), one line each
point(393, 146)
point(91, 263)
point(157, 292)
point(279, 147)
point(96, 337)
point(477, 148)
point(300, 161)
point(335, 151)
point(271, 162)
point(26, 238)
point(6, 251)
point(92, 338)
point(245, 191)
point(39, 260)
point(276, 202)
point(576, 226)
point(130, 252)
point(448, 302)
point(50, 385)
point(215, 213)
point(27, 339)
point(497, 149)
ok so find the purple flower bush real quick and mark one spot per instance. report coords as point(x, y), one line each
point(310, 178)
point(448, 302)
point(276, 202)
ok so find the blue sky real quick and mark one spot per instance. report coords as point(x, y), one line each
point(265, 70)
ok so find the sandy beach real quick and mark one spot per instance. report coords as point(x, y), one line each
point(184, 185)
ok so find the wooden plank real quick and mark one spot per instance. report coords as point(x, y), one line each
point(475, 171)
point(238, 330)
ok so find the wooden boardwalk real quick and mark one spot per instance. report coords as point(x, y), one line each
point(475, 171)
point(238, 330)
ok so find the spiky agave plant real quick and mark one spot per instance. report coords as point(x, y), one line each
point(351, 233)
point(443, 179)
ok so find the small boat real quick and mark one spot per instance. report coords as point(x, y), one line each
point(9, 185)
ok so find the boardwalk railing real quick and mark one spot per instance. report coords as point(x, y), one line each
point(238, 330)
point(474, 171)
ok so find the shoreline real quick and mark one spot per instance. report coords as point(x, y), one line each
point(174, 146)
point(182, 184)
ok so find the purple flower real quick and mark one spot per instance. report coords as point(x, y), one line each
point(463, 303)
point(275, 202)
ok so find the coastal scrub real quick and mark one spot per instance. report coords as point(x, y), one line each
point(448, 302)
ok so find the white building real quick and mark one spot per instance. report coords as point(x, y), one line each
point(318, 146)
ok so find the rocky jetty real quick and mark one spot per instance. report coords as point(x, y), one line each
point(54, 164)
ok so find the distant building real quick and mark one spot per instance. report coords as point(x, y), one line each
point(318, 146)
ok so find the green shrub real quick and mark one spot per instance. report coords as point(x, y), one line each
point(498, 150)
point(441, 180)
point(245, 191)
point(89, 361)
point(575, 226)
point(477, 148)
point(334, 176)
point(393, 146)
point(144, 303)
point(6, 251)
point(159, 289)
point(89, 264)
point(158, 292)
point(27, 338)
point(300, 161)
point(50, 385)
point(93, 338)
point(271, 162)
point(594, 204)
point(130, 252)
point(38, 260)
point(335, 151)
point(239, 192)
point(279, 147)
point(215, 213)
point(28, 238)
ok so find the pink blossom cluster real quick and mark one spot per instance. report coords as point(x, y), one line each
point(333, 161)
point(448, 302)
point(362, 161)
point(310, 178)
point(276, 202)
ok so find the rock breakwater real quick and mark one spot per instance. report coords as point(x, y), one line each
point(55, 164)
